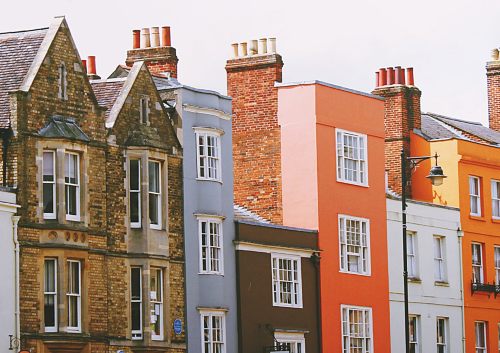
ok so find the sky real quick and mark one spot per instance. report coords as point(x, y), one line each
point(447, 42)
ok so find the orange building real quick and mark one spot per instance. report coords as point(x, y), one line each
point(310, 155)
point(469, 154)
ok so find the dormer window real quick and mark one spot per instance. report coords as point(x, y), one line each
point(63, 82)
point(144, 109)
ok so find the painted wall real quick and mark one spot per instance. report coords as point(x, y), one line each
point(213, 198)
point(7, 270)
point(336, 107)
point(428, 299)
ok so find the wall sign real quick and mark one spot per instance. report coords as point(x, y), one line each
point(177, 326)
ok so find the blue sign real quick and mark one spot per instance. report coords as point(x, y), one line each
point(177, 326)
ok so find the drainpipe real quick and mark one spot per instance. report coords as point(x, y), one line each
point(460, 234)
point(5, 146)
point(17, 312)
point(316, 262)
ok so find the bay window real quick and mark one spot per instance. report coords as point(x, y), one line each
point(208, 154)
point(50, 295)
point(156, 296)
point(211, 249)
point(72, 186)
point(154, 193)
point(49, 184)
point(135, 192)
point(73, 295)
point(136, 302)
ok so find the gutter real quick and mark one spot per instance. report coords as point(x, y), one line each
point(17, 312)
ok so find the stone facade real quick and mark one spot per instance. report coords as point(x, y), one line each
point(55, 111)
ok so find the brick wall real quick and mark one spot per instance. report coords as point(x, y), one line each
point(493, 82)
point(158, 59)
point(256, 133)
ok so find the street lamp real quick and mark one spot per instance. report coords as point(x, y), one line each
point(436, 176)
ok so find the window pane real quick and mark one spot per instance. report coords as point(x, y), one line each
point(153, 208)
point(48, 198)
point(134, 207)
point(154, 176)
point(134, 174)
point(136, 316)
point(136, 283)
point(49, 311)
point(48, 166)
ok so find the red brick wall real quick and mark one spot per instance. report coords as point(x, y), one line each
point(493, 81)
point(158, 59)
point(256, 133)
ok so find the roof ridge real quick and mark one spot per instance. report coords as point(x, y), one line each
point(435, 115)
point(24, 31)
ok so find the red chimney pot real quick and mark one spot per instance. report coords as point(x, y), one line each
point(390, 76)
point(166, 40)
point(383, 77)
point(136, 39)
point(84, 65)
point(91, 68)
point(377, 78)
point(397, 78)
point(409, 74)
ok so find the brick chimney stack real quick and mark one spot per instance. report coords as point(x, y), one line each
point(402, 115)
point(161, 58)
point(493, 82)
point(251, 77)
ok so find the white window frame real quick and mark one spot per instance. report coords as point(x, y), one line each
point(158, 194)
point(50, 215)
point(415, 335)
point(210, 314)
point(144, 100)
point(412, 254)
point(364, 265)
point(362, 163)
point(444, 334)
point(136, 334)
point(156, 302)
point(135, 191)
point(207, 162)
point(293, 339)
point(480, 264)
point(295, 281)
point(63, 82)
point(495, 199)
point(71, 217)
point(496, 250)
point(78, 295)
point(439, 258)
point(478, 329)
point(52, 294)
point(475, 198)
point(346, 326)
point(210, 246)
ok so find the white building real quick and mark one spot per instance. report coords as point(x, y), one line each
point(435, 279)
point(9, 265)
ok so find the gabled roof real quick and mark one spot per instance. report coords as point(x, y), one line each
point(439, 127)
point(17, 53)
point(107, 91)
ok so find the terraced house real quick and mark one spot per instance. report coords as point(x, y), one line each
point(98, 174)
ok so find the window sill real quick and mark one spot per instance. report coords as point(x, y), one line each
point(207, 179)
point(212, 273)
point(441, 283)
point(477, 218)
point(495, 220)
point(289, 306)
point(414, 280)
point(355, 273)
point(155, 227)
point(352, 183)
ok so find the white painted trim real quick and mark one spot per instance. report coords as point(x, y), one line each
point(205, 133)
point(209, 271)
point(207, 111)
point(209, 129)
point(368, 245)
point(78, 185)
point(270, 249)
point(478, 204)
point(299, 304)
point(355, 307)
point(210, 313)
point(339, 178)
point(209, 216)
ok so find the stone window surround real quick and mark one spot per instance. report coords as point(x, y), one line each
point(61, 147)
point(145, 155)
point(62, 256)
point(146, 265)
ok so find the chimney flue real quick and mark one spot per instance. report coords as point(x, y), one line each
point(155, 37)
point(390, 76)
point(397, 75)
point(244, 51)
point(91, 67)
point(377, 78)
point(136, 39)
point(495, 54)
point(409, 76)
point(165, 36)
point(272, 44)
point(146, 41)
point(84, 65)
point(263, 46)
point(235, 50)
point(383, 77)
point(253, 47)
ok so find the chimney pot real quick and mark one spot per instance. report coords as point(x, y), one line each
point(165, 36)
point(263, 46)
point(272, 43)
point(136, 39)
point(377, 78)
point(253, 47)
point(409, 76)
point(235, 50)
point(390, 76)
point(91, 67)
point(244, 51)
point(155, 37)
point(403, 79)
point(397, 75)
point(495, 54)
point(84, 65)
point(383, 77)
point(146, 41)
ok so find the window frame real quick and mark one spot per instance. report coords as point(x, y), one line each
point(476, 196)
point(158, 194)
point(54, 293)
point(441, 260)
point(413, 255)
point(211, 314)
point(136, 335)
point(52, 215)
point(276, 281)
point(481, 264)
point(444, 334)
point(291, 338)
point(480, 349)
point(416, 333)
point(363, 261)
point(209, 270)
point(340, 158)
point(78, 328)
point(131, 191)
point(496, 259)
point(70, 217)
point(205, 133)
point(158, 301)
point(347, 324)
point(495, 199)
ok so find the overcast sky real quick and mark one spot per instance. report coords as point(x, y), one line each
point(342, 42)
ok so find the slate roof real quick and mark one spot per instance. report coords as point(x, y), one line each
point(17, 52)
point(63, 127)
point(438, 127)
point(107, 91)
point(242, 214)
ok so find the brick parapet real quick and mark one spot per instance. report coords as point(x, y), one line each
point(493, 85)
point(158, 59)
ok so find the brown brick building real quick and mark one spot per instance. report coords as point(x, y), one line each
point(98, 174)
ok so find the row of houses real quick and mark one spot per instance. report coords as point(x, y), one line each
point(142, 214)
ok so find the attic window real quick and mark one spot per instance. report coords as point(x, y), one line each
point(63, 82)
point(144, 109)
